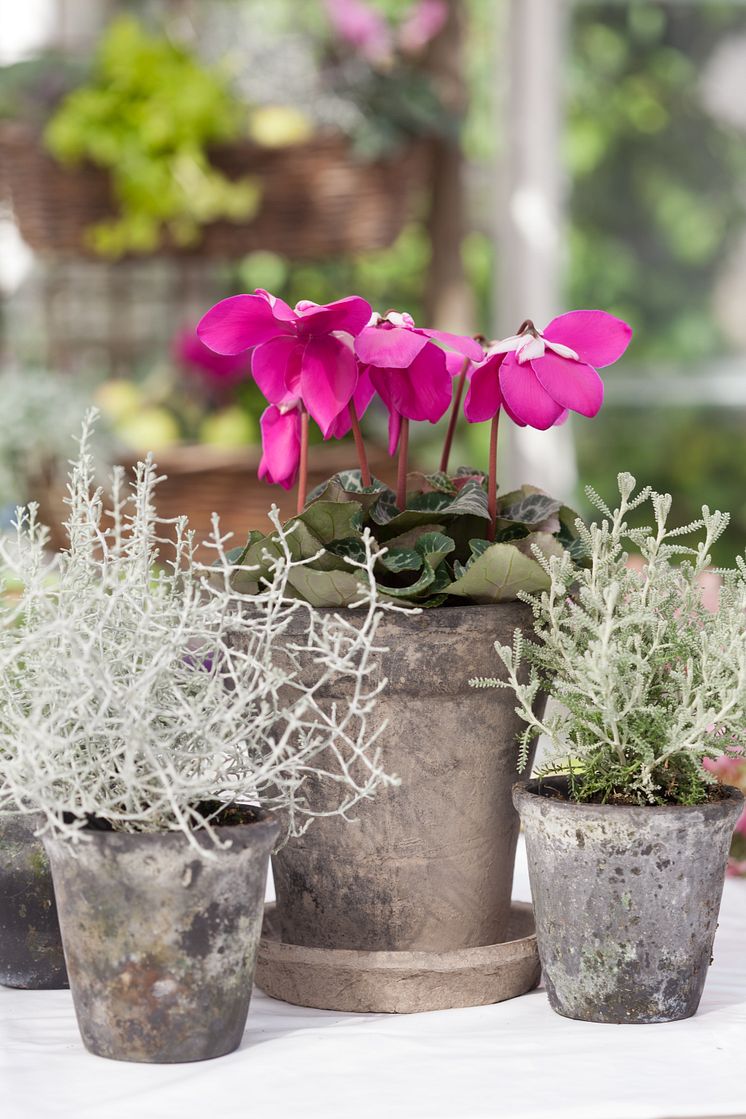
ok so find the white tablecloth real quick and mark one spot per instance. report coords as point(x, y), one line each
point(516, 1060)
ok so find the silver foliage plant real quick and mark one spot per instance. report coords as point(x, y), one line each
point(648, 682)
point(133, 689)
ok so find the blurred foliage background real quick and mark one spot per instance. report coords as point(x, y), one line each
point(654, 155)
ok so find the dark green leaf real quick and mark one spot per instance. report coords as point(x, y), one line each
point(402, 559)
point(434, 547)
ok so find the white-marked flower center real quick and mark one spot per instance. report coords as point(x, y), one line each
point(530, 345)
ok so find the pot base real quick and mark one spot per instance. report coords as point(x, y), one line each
point(399, 982)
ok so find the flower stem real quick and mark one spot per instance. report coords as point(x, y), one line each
point(492, 479)
point(303, 473)
point(360, 445)
point(401, 477)
point(453, 418)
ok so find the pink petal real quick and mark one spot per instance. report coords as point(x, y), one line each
point(361, 26)
point(463, 345)
point(424, 390)
point(394, 431)
point(389, 347)
point(597, 337)
point(237, 323)
point(280, 446)
point(514, 418)
point(524, 396)
point(573, 384)
point(422, 23)
point(269, 366)
point(362, 397)
point(280, 308)
point(380, 379)
point(351, 315)
point(364, 392)
point(328, 379)
point(484, 398)
point(455, 363)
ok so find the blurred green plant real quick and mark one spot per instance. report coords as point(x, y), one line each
point(148, 115)
point(656, 179)
point(695, 454)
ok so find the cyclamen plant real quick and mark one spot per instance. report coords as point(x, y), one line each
point(138, 692)
point(649, 683)
point(326, 363)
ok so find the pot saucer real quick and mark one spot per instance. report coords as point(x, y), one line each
point(399, 982)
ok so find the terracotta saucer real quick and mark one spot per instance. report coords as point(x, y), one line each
point(399, 982)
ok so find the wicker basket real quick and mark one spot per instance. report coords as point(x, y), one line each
point(317, 199)
point(202, 480)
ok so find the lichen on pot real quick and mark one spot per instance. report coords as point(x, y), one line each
point(161, 944)
point(626, 900)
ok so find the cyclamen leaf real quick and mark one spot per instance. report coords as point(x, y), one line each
point(332, 520)
point(531, 509)
point(409, 539)
point(402, 559)
point(434, 547)
point(326, 588)
point(426, 579)
point(350, 548)
point(498, 574)
point(385, 509)
point(432, 500)
point(471, 500)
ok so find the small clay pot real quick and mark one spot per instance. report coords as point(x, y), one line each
point(31, 953)
point(427, 866)
point(160, 941)
point(626, 900)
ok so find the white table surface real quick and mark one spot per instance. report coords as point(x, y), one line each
point(517, 1059)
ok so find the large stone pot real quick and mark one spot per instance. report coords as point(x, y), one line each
point(626, 900)
point(427, 866)
point(30, 945)
point(160, 941)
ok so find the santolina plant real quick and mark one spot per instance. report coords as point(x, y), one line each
point(134, 689)
point(325, 364)
point(648, 682)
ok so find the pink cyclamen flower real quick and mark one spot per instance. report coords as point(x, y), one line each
point(189, 351)
point(302, 353)
point(538, 376)
point(280, 426)
point(411, 374)
point(360, 26)
point(421, 24)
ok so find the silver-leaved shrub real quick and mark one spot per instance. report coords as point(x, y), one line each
point(647, 681)
point(137, 689)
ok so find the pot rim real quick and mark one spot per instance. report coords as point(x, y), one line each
point(479, 616)
point(265, 825)
point(525, 791)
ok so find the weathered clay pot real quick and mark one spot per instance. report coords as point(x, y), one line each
point(427, 866)
point(161, 942)
point(30, 945)
point(626, 901)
